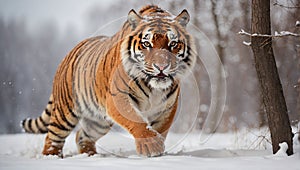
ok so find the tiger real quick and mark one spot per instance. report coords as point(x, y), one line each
point(131, 79)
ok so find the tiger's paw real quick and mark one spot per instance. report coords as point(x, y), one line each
point(88, 148)
point(150, 147)
point(53, 150)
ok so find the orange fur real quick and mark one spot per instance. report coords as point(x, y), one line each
point(123, 80)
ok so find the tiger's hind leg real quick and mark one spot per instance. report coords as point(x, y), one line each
point(62, 122)
point(89, 133)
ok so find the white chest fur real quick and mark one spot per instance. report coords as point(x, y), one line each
point(154, 107)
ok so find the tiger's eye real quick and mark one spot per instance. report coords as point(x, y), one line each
point(173, 44)
point(146, 44)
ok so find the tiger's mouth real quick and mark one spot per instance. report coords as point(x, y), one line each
point(161, 75)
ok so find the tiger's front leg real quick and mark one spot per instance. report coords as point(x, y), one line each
point(150, 146)
point(161, 127)
point(149, 142)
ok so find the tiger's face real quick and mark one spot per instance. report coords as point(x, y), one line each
point(159, 50)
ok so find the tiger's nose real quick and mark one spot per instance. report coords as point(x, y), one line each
point(161, 67)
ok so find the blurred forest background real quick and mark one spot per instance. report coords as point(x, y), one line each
point(30, 52)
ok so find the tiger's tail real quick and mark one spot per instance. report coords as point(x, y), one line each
point(40, 124)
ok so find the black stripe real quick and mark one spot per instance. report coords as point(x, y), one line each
point(171, 92)
point(113, 94)
point(104, 62)
point(23, 123)
point(63, 117)
point(41, 130)
point(153, 122)
point(57, 135)
point(171, 76)
point(100, 125)
point(134, 43)
point(64, 93)
point(124, 82)
point(186, 60)
point(47, 112)
point(50, 102)
point(36, 124)
point(85, 88)
point(129, 42)
point(57, 141)
point(69, 106)
point(159, 23)
point(60, 127)
point(113, 57)
point(78, 107)
point(29, 125)
point(59, 122)
point(85, 48)
point(60, 89)
point(99, 132)
point(72, 113)
point(140, 87)
point(99, 53)
point(126, 93)
point(93, 97)
point(87, 106)
point(96, 123)
point(119, 90)
point(134, 98)
point(98, 128)
point(43, 122)
point(85, 134)
point(68, 96)
point(140, 35)
point(78, 48)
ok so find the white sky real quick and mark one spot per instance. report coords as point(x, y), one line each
point(64, 12)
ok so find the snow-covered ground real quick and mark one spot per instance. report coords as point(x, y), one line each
point(246, 149)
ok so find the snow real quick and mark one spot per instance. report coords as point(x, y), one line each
point(239, 150)
point(283, 148)
point(285, 33)
point(276, 34)
point(247, 43)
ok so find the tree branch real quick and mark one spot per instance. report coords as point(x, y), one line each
point(280, 34)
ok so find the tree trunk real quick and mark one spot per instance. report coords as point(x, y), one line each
point(273, 98)
point(219, 45)
point(298, 106)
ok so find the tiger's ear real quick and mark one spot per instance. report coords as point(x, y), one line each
point(133, 19)
point(183, 18)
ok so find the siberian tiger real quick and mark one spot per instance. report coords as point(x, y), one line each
point(132, 79)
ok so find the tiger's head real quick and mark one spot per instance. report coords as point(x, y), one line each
point(158, 49)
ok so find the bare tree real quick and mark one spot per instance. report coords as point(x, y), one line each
point(219, 46)
point(273, 98)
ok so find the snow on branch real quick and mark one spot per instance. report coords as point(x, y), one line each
point(280, 34)
point(247, 43)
